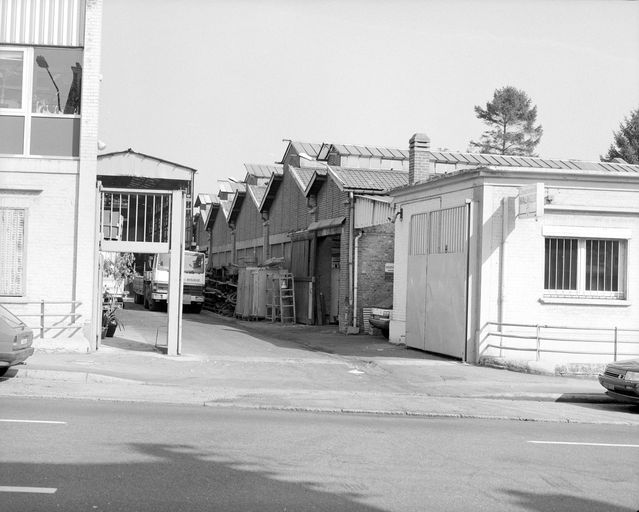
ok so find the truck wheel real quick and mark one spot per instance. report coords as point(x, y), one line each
point(196, 308)
point(153, 305)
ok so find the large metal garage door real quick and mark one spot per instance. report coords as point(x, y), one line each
point(436, 301)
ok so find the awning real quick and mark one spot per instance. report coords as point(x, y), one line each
point(326, 223)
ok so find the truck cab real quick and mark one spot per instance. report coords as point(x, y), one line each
point(152, 287)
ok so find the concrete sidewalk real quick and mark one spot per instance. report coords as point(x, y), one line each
point(227, 362)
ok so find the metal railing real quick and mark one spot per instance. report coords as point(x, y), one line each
point(610, 341)
point(66, 320)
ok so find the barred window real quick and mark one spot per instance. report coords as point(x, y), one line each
point(12, 248)
point(588, 268)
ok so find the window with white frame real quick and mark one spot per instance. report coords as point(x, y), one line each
point(585, 268)
point(12, 252)
point(40, 90)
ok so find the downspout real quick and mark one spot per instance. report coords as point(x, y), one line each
point(469, 223)
point(351, 224)
point(502, 262)
point(233, 244)
point(355, 280)
point(266, 235)
point(313, 316)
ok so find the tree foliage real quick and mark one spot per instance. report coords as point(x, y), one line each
point(121, 268)
point(626, 141)
point(511, 124)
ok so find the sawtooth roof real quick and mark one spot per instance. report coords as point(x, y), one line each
point(368, 180)
point(366, 151)
point(262, 170)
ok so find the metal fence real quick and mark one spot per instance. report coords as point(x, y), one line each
point(611, 342)
point(51, 315)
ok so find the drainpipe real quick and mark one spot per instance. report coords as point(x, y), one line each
point(233, 244)
point(351, 224)
point(266, 237)
point(355, 280)
point(502, 261)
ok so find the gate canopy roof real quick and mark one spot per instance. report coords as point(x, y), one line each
point(130, 169)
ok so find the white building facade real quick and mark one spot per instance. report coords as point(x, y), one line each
point(49, 99)
point(517, 258)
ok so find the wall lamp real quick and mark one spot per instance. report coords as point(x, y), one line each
point(399, 213)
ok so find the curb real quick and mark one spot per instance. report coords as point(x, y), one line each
point(585, 370)
point(90, 377)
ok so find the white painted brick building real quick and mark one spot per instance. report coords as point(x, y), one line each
point(518, 258)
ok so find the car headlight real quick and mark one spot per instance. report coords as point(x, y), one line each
point(634, 376)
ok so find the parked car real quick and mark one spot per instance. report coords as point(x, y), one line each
point(621, 380)
point(15, 340)
point(381, 315)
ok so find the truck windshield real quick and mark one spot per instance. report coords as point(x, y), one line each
point(163, 261)
point(194, 263)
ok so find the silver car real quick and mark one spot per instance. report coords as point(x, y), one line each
point(15, 340)
point(621, 380)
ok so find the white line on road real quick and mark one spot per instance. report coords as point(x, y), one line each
point(35, 421)
point(587, 444)
point(34, 490)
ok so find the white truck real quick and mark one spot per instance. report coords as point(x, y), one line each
point(152, 287)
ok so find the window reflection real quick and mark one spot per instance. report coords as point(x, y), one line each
point(11, 64)
point(57, 81)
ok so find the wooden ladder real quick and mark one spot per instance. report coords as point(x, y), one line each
point(286, 286)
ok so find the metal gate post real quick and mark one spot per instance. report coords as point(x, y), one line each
point(538, 343)
point(615, 347)
point(176, 256)
point(42, 319)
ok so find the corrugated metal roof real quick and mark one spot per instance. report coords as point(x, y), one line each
point(309, 148)
point(237, 186)
point(482, 160)
point(262, 170)
point(304, 175)
point(204, 199)
point(369, 180)
point(379, 199)
point(365, 151)
point(224, 186)
point(257, 193)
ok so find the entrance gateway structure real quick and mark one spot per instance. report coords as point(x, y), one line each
point(144, 203)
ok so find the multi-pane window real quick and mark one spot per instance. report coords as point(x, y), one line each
point(12, 247)
point(588, 268)
point(40, 90)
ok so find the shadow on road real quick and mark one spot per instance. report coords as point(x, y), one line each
point(173, 478)
point(560, 503)
point(127, 344)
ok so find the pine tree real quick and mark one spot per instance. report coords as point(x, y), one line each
point(626, 141)
point(511, 121)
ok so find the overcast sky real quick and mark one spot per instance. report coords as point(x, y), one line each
point(214, 84)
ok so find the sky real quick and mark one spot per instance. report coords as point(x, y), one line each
point(214, 84)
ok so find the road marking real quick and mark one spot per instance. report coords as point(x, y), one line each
point(34, 490)
point(35, 421)
point(587, 444)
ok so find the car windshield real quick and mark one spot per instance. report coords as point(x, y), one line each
point(10, 318)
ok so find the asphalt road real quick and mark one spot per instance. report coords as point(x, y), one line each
point(85, 455)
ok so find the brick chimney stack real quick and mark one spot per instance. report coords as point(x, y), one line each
point(418, 162)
